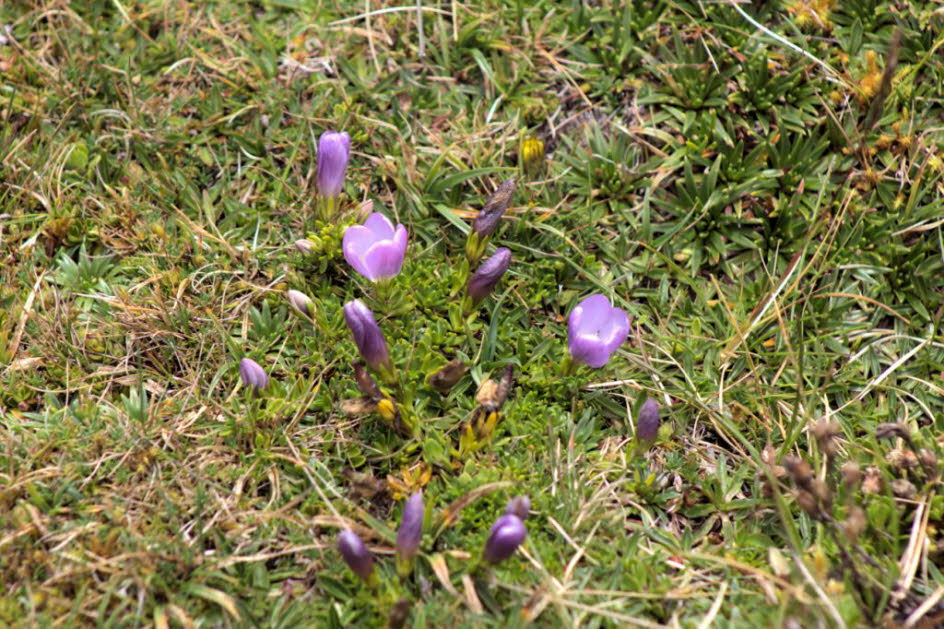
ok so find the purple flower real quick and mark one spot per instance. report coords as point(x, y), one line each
point(411, 528)
point(519, 506)
point(355, 554)
point(506, 535)
point(252, 374)
point(334, 150)
point(375, 249)
point(367, 335)
point(596, 329)
point(484, 279)
point(647, 424)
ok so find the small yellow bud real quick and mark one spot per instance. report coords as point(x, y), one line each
point(531, 157)
point(387, 409)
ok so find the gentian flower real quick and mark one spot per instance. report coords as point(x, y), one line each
point(506, 535)
point(596, 329)
point(334, 151)
point(484, 279)
point(410, 533)
point(302, 303)
point(647, 424)
point(367, 335)
point(375, 249)
point(252, 374)
point(355, 554)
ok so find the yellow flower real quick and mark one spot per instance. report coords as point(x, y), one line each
point(531, 156)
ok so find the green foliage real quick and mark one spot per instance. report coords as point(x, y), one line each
point(780, 254)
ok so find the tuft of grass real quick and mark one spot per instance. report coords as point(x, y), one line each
point(758, 185)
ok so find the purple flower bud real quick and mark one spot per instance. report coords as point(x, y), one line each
point(301, 302)
point(375, 249)
point(334, 150)
point(304, 246)
point(252, 374)
point(355, 554)
point(596, 329)
point(489, 216)
point(411, 528)
point(483, 281)
point(519, 506)
point(367, 335)
point(506, 535)
point(647, 424)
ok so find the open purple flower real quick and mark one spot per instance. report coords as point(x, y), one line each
point(252, 374)
point(355, 554)
point(375, 249)
point(506, 535)
point(367, 335)
point(596, 329)
point(334, 150)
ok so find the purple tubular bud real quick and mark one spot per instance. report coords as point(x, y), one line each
point(411, 528)
point(367, 335)
point(506, 535)
point(334, 150)
point(489, 217)
point(252, 374)
point(483, 281)
point(596, 329)
point(519, 506)
point(647, 424)
point(355, 554)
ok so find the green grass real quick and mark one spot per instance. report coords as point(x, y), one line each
point(765, 208)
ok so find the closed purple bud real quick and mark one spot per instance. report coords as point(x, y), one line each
point(411, 528)
point(367, 335)
point(647, 425)
point(519, 506)
point(301, 302)
point(375, 249)
point(506, 535)
point(304, 246)
point(596, 329)
point(252, 374)
point(355, 554)
point(334, 150)
point(489, 216)
point(483, 281)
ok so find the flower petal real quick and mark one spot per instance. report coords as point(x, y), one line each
point(359, 239)
point(383, 260)
point(590, 350)
point(352, 254)
point(616, 329)
point(594, 312)
point(400, 238)
point(380, 226)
